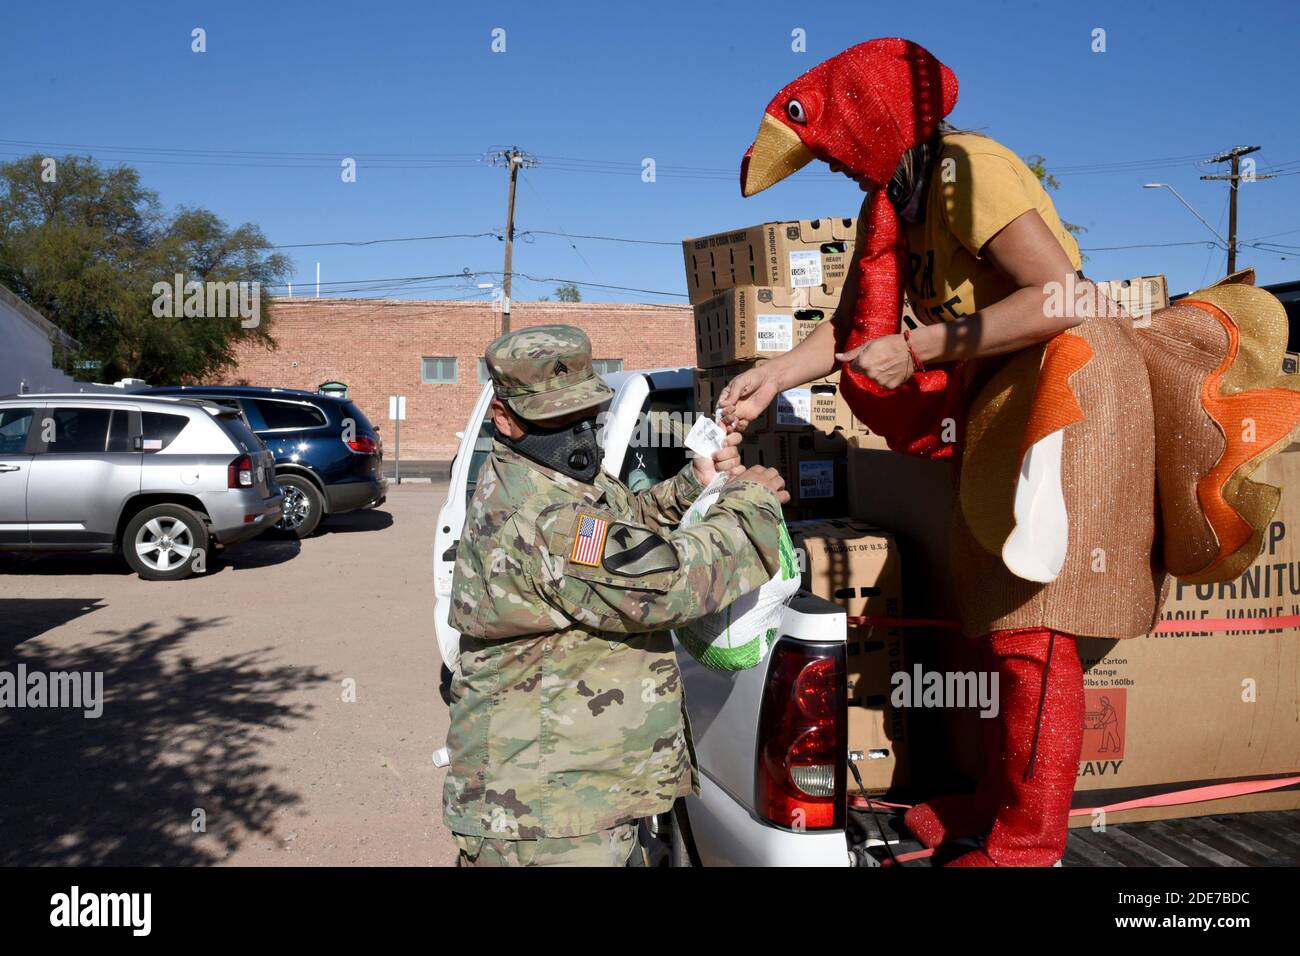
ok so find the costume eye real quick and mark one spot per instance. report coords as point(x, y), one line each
point(794, 110)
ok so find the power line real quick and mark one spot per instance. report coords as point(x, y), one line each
point(395, 281)
point(1151, 245)
point(205, 151)
point(376, 242)
point(601, 285)
point(1288, 232)
point(646, 242)
point(289, 159)
point(572, 245)
point(577, 235)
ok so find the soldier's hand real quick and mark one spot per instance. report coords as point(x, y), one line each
point(726, 460)
point(769, 478)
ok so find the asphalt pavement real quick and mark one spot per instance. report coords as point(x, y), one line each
point(280, 710)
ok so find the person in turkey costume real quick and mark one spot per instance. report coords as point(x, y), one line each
point(1096, 452)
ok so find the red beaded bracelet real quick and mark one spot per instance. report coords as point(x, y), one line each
point(916, 362)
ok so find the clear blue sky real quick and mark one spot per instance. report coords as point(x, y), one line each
point(255, 128)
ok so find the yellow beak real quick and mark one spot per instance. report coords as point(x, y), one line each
point(777, 152)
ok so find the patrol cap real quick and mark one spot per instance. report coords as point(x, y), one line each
point(545, 371)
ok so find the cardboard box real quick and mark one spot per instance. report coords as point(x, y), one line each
point(797, 255)
point(793, 411)
point(769, 450)
point(912, 498)
point(1174, 716)
point(818, 476)
point(814, 465)
point(857, 566)
point(1187, 708)
point(750, 322)
point(1175, 713)
point(827, 409)
point(1140, 295)
point(865, 439)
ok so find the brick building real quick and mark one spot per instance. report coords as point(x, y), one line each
point(431, 351)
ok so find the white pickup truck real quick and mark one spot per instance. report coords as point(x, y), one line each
point(766, 758)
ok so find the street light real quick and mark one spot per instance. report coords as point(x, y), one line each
point(1179, 197)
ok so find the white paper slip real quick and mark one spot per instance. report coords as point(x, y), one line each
point(706, 436)
point(805, 268)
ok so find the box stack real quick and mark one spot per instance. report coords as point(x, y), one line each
point(1139, 296)
point(1234, 692)
point(757, 293)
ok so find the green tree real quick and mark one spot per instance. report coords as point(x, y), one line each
point(85, 243)
point(568, 293)
point(1038, 166)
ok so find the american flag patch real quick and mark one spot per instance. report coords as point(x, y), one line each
point(589, 545)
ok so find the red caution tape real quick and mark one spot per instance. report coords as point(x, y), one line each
point(1209, 625)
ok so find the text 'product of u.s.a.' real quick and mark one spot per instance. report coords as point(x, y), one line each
point(741, 634)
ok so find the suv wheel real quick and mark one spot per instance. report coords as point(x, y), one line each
point(303, 507)
point(163, 543)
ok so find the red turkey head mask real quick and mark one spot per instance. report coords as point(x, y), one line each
point(863, 109)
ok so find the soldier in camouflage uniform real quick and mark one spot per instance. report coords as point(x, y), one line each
point(567, 717)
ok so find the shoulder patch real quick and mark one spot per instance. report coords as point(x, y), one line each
point(633, 551)
point(589, 542)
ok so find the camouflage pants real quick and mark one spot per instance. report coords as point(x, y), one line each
point(606, 848)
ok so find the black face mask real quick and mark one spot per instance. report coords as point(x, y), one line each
point(572, 450)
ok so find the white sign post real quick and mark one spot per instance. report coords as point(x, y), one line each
point(397, 413)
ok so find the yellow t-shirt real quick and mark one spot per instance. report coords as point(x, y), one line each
point(977, 187)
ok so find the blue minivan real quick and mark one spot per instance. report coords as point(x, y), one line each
point(328, 457)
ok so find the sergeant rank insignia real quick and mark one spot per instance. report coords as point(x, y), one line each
point(589, 545)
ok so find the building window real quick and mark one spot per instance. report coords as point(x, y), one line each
point(483, 376)
point(438, 370)
point(607, 366)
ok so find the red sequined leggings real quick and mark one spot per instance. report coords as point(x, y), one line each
point(1031, 757)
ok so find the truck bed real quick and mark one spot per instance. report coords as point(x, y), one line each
point(1270, 838)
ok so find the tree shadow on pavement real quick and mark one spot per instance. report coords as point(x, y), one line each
point(21, 619)
point(176, 735)
point(261, 552)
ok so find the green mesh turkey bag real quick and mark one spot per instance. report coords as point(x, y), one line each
point(740, 635)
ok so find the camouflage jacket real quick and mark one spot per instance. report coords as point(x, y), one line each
point(567, 714)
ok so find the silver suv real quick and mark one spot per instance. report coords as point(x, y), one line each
point(164, 481)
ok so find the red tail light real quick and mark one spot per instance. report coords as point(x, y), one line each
point(240, 474)
point(363, 445)
point(802, 755)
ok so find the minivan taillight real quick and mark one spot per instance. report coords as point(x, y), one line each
point(363, 445)
point(802, 737)
point(240, 474)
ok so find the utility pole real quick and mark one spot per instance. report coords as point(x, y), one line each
point(1233, 178)
point(515, 159)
